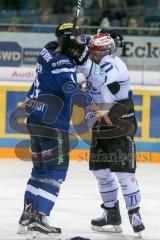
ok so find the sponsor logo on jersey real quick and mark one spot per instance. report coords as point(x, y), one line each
point(61, 62)
point(99, 71)
point(54, 64)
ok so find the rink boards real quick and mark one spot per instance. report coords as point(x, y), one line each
point(147, 102)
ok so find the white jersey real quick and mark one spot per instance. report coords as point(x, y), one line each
point(110, 70)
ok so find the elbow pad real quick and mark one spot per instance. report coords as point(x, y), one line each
point(114, 87)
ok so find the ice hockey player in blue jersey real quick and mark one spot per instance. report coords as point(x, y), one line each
point(49, 109)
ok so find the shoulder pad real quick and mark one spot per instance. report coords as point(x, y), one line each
point(51, 59)
point(51, 46)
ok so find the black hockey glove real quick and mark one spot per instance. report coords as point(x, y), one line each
point(118, 38)
point(78, 52)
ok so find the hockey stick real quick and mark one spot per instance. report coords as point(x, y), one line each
point(75, 19)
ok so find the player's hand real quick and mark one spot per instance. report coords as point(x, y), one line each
point(104, 115)
point(107, 120)
point(78, 52)
point(99, 114)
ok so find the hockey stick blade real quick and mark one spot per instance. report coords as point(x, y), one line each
point(78, 238)
point(37, 236)
point(71, 238)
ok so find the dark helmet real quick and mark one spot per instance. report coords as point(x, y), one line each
point(66, 29)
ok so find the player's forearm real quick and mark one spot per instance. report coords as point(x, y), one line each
point(85, 68)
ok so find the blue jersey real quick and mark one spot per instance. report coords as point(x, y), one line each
point(52, 92)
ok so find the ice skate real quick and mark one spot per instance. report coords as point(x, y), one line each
point(136, 221)
point(24, 219)
point(110, 221)
point(39, 228)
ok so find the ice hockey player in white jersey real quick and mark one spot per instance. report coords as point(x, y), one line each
point(114, 154)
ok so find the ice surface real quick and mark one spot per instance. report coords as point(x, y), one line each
point(78, 202)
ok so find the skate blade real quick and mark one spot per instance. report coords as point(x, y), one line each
point(34, 235)
point(109, 228)
point(22, 229)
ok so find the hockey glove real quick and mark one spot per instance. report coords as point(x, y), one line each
point(79, 53)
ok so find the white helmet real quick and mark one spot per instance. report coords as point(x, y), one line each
point(102, 42)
